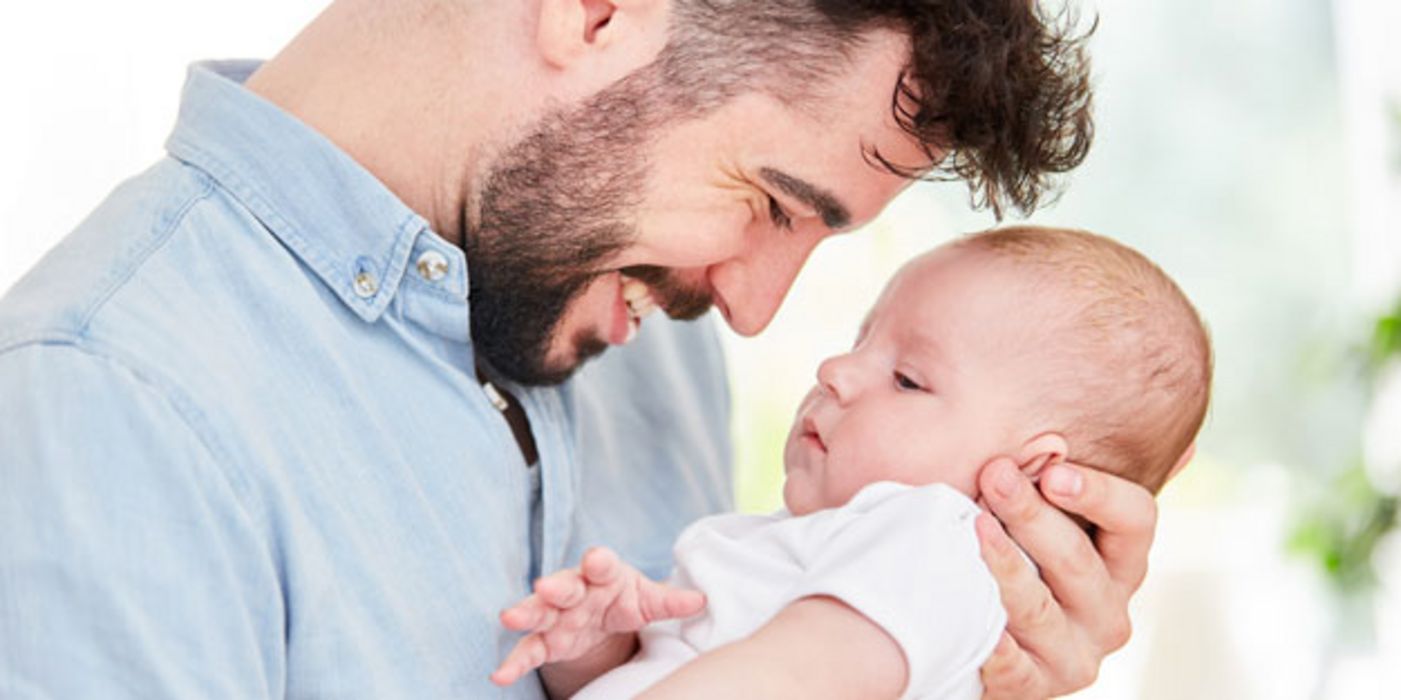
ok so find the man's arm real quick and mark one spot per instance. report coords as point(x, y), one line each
point(127, 569)
point(1062, 623)
point(815, 647)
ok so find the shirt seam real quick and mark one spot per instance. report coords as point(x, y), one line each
point(390, 263)
point(142, 254)
point(185, 409)
point(229, 180)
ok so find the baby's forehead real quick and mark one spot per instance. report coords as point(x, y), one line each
point(999, 310)
point(963, 286)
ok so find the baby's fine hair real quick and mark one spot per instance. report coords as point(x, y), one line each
point(1133, 387)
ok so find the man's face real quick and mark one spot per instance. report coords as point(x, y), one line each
point(588, 224)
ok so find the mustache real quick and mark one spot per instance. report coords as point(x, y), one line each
point(681, 301)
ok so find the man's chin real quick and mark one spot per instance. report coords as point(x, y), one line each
point(584, 348)
point(552, 368)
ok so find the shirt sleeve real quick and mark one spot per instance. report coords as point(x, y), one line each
point(911, 564)
point(127, 566)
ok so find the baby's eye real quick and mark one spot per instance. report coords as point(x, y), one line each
point(906, 383)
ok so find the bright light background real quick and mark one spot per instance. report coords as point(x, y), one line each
point(1242, 145)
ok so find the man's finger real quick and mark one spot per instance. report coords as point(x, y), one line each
point(1037, 620)
point(1123, 512)
point(1068, 560)
point(1033, 615)
point(1011, 674)
point(1015, 577)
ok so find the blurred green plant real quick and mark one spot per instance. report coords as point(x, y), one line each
point(1342, 526)
point(1386, 339)
point(1342, 529)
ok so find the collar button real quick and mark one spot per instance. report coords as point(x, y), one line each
point(432, 266)
point(365, 284)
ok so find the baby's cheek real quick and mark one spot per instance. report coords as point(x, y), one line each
point(840, 487)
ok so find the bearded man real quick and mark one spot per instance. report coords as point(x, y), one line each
point(294, 412)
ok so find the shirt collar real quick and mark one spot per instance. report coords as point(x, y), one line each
point(342, 223)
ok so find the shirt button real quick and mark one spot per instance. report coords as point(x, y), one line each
point(366, 284)
point(432, 266)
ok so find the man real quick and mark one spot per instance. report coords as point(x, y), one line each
point(292, 412)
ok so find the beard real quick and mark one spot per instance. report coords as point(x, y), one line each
point(557, 206)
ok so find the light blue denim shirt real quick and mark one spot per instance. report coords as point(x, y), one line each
point(243, 452)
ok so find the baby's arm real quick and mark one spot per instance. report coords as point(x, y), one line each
point(583, 621)
point(817, 647)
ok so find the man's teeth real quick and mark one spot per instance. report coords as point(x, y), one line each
point(640, 309)
point(638, 298)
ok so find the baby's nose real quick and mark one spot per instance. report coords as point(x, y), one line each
point(836, 376)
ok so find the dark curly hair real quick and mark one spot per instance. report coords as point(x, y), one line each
point(996, 91)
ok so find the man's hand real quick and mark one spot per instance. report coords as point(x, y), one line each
point(575, 611)
point(1061, 624)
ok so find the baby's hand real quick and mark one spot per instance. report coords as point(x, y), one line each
point(575, 610)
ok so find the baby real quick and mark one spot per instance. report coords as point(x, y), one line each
point(1043, 345)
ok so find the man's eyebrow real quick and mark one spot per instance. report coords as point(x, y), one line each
point(834, 214)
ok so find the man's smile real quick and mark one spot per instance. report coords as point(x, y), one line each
point(635, 302)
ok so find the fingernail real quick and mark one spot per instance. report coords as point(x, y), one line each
point(1005, 480)
point(1064, 482)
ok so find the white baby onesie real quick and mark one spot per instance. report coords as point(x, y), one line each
point(905, 557)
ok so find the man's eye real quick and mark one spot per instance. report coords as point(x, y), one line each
point(906, 383)
point(780, 217)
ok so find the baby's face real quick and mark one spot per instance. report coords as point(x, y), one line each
point(933, 388)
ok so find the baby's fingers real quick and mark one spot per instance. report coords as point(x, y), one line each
point(600, 566)
point(562, 589)
point(528, 654)
point(663, 602)
point(529, 615)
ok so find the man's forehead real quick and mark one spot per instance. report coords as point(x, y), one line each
point(854, 113)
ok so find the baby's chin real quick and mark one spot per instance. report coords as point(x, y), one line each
point(796, 502)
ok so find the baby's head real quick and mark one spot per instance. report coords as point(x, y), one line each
point(1039, 344)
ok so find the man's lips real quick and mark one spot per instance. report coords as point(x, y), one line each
point(681, 295)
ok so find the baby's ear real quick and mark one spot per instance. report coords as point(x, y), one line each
point(1040, 452)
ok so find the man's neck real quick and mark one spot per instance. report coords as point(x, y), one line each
point(406, 90)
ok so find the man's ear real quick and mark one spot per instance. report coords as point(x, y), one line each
point(570, 29)
point(1042, 451)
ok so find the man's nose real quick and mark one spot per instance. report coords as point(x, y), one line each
point(751, 289)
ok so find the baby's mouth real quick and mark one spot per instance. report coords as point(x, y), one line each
point(809, 432)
